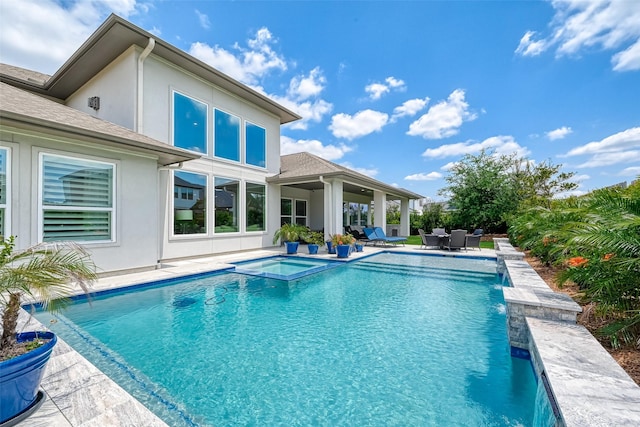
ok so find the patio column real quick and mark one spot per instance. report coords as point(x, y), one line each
point(332, 207)
point(405, 218)
point(380, 209)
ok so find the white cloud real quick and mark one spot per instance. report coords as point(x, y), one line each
point(409, 108)
point(443, 119)
point(448, 166)
point(580, 178)
point(613, 158)
point(620, 142)
point(631, 171)
point(580, 25)
point(42, 34)
point(528, 47)
point(424, 176)
point(365, 171)
point(203, 19)
point(376, 90)
point(313, 146)
point(304, 87)
point(250, 65)
point(559, 133)
point(361, 124)
point(502, 144)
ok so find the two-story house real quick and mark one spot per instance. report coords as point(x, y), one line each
point(143, 153)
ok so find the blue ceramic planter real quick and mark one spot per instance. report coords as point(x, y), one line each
point(358, 247)
point(330, 247)
point(313, 248)
point(292, 247)
point(20, 377)
point(343, 251)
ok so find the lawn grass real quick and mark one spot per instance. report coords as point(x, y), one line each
point(415, 240)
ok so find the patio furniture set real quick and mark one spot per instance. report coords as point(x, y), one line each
point(457, 239)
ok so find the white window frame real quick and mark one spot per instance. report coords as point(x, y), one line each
point(42, 206)
point(292, 215)
point(6, 231)
point(306, 209)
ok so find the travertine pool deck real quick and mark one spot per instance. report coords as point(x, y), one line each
point(78, 394)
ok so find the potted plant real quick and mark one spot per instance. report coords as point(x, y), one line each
point(314, 240)
point(290, 234)
point(46, 273)
point(343, 243)
point(330, 247)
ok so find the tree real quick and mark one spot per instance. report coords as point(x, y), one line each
point(487, 189)
point(481, 190)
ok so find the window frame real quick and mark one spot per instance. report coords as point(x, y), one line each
point(290, 216)
point(239, 160)
point(248, 123)
point(175, 92)
point(113, 209)
point(238, 204)
point(246, 207)
point(6, 206)
point(205, 193)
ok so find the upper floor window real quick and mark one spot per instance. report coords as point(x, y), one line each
point(189, 203)
point(227, 136)
point(4, 187)
point(256, 142)
point(189, 123)
point(77, 199)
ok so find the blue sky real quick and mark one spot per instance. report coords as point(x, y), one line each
point(399, 90)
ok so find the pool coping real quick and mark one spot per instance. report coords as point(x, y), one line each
point(586, 386)
point(79, 394)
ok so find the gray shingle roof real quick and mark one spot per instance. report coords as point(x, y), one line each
point(301, 167)
point(20, 108)
point(34, 77)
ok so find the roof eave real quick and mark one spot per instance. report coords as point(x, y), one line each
point(116, 35)
point(166, 155)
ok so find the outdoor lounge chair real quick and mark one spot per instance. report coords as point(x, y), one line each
point(371, 236)
point(457, 240)
point(395, 239)
point(429, 240)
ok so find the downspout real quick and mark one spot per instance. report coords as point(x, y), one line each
point(140, 94)
point(330, 210)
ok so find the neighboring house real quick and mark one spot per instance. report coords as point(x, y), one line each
point(143, 153)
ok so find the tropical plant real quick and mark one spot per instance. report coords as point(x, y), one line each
point(289, 233)
point(46, 272)
point(343, 239)
point(314, 238)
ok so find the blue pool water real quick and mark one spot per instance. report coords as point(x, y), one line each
point(391, 340)
point(284, 268)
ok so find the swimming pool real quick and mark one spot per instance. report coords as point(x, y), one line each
point(389, 340)
point(284, 268)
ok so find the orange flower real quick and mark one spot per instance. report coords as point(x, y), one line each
point(545, 240)
point(577, 261)
point(607, 257)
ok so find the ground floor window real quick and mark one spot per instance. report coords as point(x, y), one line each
point(356, 214)
point(226, 205)
point(286, 211)
point(4, 188)
point(77, 199)
point(301, 212)
point(255, 204)
point(189, 203)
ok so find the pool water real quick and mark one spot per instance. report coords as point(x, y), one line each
point(284, 268)
point(392, 340)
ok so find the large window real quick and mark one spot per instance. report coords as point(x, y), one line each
point(189, 123)
point(255, 207)
point(286, 211)
point(4, 187)
point(189, 203)
point(77, 199)
point(226, 205)
point(358, 214)
point(227, 136)
point(256, 142)
point(301, 212)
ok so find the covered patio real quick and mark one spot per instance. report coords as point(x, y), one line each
point(326, 196)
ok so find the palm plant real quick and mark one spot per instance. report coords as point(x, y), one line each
point(45, 272)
